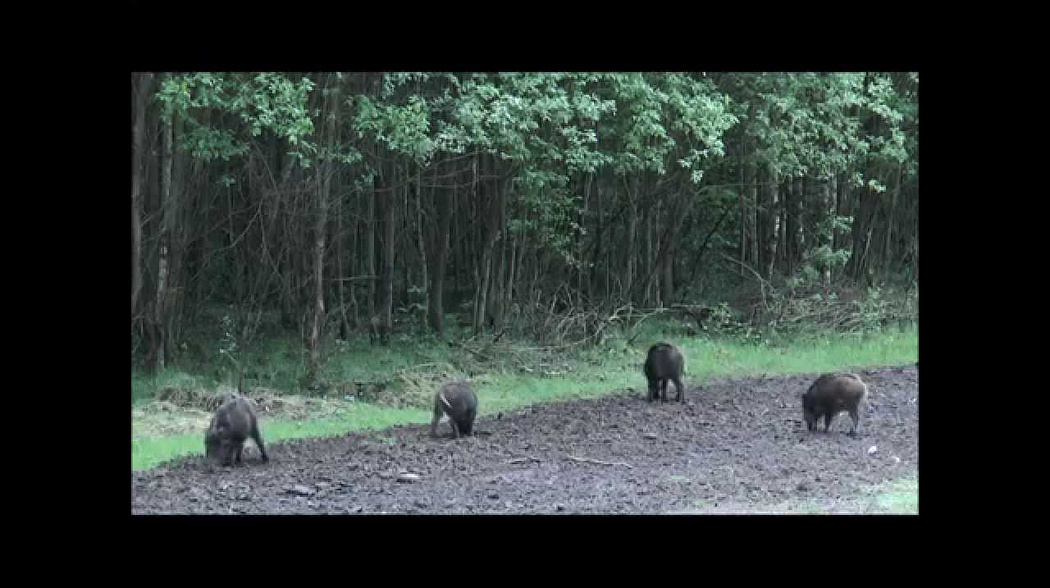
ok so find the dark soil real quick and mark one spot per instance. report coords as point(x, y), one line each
point(733, 446)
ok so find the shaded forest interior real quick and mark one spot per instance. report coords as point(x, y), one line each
point(535, 206)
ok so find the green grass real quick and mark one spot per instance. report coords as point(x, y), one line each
point(411, 366)
point(898, 497)
point(706, 358)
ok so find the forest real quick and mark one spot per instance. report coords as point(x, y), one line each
point(539, 207)
point(325, 263)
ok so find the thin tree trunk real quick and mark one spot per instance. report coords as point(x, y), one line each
point(439, 245)
point(159, 338)
point(840, 202)
point(790, 222)
point(369, 243)
point(649, 254)
point(798, 194)
point(598, 268)
point(862, 224)
point(828, 214)
point(352, 258)
point(756, 240)
point(750, 214)
point(628, 275)
point(668, 248)
point(798, 212)
point(581, 221)
point(891, 220)
point(386, 280)
point(768, 220)
point(406, 235)
point(508, 290)
point(420, 240)
point(493, 207)
point(782, 241)
point(743, 220)
point(666, 279)
point(495, 299)
point(344, 323)
point(324, 174)
point(142, 86)
point(176, 243)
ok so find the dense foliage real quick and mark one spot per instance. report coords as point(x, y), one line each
point(334, 200)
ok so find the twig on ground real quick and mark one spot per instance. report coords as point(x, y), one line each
point(609, 463)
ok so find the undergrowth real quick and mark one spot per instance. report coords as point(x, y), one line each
point(373, 386)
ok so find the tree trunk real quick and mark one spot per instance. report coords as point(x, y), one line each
point(159, 339)
point(891, 220)
point(352, 259)
point(495, 298)
point(768, 220)
point(341, 274)
point(439, 245)
point(862, 225)
point(790, 223)
point(753, 214)
point(142, 84)
point(598, 268)
point(782, 241)
point(666, 279)
point(386, 280)
point(798, 197)
point(493, 312)
point(581, 221)
point(827, 213)
point(176, 243)
point(508, 290)
point(840, 203)
point(743, 220)
point(628, 275)
point(420, 241)
point(751, 199)
point(493, 206)
point(678, 212)
point(323, 187)
point(405, 234)
point(369, 243)
point(649, 253)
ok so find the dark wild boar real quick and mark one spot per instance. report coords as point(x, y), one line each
point(458, 401)
point(664, 362)
point(231, 425)
point(832, 394)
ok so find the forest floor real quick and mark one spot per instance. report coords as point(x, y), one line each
point(734, 446)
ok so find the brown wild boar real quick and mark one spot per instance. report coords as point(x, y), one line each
point(831, 394)
point(664, 362)
point(231, 425)
point(458, 401)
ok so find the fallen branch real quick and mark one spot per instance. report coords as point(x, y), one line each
point(609, 463)
point(525, 459)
